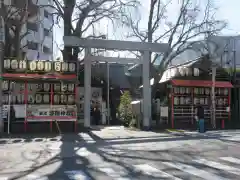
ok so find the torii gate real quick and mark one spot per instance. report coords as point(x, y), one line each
point(143, 47)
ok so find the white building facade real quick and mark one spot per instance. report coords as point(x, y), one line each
point(37, 30)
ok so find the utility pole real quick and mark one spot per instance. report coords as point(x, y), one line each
point(2, 43)
point(213, 96)
point(108, 93)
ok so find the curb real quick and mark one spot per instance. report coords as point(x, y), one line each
point(175, 130)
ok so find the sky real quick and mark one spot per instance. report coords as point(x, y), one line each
point(227, 10)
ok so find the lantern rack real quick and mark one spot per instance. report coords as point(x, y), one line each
point(44, 96)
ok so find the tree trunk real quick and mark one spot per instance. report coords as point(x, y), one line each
point(67, 19)
point(17, 43)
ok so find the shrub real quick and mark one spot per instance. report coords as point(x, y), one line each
point(125, 109)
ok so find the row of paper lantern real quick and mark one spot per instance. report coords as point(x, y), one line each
point(185, 71)
point(40, 98)
point(46, 66)
point(63, 87)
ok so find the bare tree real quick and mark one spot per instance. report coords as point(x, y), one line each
point(85, 14)
point(15, 17)
point(192, 22)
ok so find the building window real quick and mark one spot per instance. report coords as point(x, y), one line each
point(32, 45)
point(46, 14)
point(46, 49)
point(32, 26)
point(14, 2)
point(46, 32)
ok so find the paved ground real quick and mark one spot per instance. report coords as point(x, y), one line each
point(118, 154)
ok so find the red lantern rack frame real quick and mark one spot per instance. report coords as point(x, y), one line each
point(47, 77)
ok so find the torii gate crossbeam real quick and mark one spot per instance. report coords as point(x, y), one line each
point(143, 47)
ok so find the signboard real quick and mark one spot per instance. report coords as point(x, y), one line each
point(19, 112)
point(49, 113)
point(13, 65)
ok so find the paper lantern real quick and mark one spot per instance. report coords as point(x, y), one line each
point(5, 85)
point(38, 98)
point(72, 67)
point(47, 66)
point(57, 66)
point(63, 99)
point(196, 72)
point(64, 66)
point(46, 98)
point(40, 65)
point(30, 86)
point(56, 99)
point(46, 86)
point(33, 65)
point(71, 87)
point(20, 98)
point(7, 64)
point(31, 99)
point(14, 64)
point(63, 87)
point(5, 99)
point(57, 87)
point(22, 65)
point(70, 99)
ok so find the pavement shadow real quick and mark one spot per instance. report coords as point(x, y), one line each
point(71, 163)
point(26, 138)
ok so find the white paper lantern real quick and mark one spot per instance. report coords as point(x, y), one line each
point(72, 67)
point(70, 87)
point(47, 66)
point(57, 87)
point(13, 99)
point(38, 86)
point(56, 99)
point(181, 71)
point(7, 64)
point(20, 98)
point(33, 65)
point(5, 85)
point(40, 65)
point(22, 65)
point(187, 71)
point(14, 64)
point(63, 87)
point(38, 98)
point(31, 98)
point(196, 72)
point(19, 87)
point(63, 98)
point(70, 99)
point(30, 86)
point(46, 86)
point(46, 98)
point(57, 66)
point(64, 66)
point(5, 98)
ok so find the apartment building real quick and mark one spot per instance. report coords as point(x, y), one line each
point(37, 30)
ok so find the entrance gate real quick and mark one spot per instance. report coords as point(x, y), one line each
point(144, 48)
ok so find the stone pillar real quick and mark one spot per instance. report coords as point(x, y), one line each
point(87, 87)
point(146, 91)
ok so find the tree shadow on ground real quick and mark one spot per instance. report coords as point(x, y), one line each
point(68, 160)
